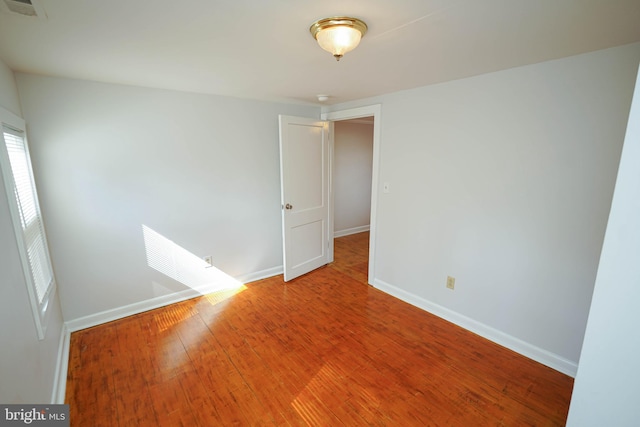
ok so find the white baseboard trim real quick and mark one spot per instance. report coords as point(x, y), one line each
point(348, 231)
point(157, 302)
point(129, 310)
point(533, 352)
point(62, 366)
point(259, 275)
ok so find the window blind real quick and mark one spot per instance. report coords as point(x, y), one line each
point(33, 236)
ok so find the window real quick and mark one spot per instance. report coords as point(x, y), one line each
point(27, 220)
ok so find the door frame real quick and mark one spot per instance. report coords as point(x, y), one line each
point(356, 113)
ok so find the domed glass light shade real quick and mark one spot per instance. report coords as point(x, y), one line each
point(338, 35)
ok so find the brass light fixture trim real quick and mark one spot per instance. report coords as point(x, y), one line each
point(339, 34)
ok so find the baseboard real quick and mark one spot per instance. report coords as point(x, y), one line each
point(62, 366)
point(533, 352)
point(348, 231)
point(259, 275)
point(150, 304)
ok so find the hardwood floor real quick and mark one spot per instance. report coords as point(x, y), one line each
point(323, 350)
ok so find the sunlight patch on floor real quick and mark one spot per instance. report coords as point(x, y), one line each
point(308, 402)
point(217, 297)
point(172, 316)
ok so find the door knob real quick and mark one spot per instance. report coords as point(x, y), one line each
point(288, 206)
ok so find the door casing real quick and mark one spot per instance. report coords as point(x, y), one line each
point(355, 113)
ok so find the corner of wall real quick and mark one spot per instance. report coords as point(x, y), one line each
point(9, 97)
point(62, 366)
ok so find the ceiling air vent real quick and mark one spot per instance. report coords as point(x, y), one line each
point(23, 7)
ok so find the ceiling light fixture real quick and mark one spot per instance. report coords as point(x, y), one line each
point(338, 35)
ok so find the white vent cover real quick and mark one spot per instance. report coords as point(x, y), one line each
point(22, 7)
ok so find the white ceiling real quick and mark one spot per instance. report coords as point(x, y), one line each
point(262, 49)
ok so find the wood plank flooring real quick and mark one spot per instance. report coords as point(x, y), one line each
point(323, 350)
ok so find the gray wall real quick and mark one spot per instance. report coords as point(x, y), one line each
point(27, 365)
point(200, 170)
point(504, 181)
point(606, 387)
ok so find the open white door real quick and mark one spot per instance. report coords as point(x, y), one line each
point(304, 178)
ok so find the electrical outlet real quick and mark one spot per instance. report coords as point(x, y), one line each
point(208, 259)
point(451, 282)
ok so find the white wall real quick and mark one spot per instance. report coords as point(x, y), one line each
point(27, 365)
point(203, 171)
point(606, 387)
point(504, 181)
point(353, 159)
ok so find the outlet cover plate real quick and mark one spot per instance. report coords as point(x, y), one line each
point(451, 282)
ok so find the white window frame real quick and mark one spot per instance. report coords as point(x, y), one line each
point(40, 309)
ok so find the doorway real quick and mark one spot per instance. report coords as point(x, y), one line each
point(369, 114)
point(351, 184)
